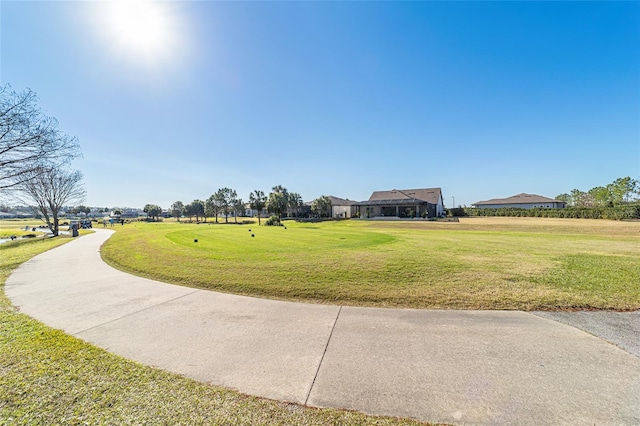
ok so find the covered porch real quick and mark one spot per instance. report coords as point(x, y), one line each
point(403, 208)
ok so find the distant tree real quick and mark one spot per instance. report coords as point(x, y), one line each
point(238, 208)
point(278, 201)
point(30, 142)
point(601, 196)
point(152, 210)
point(80, 209)
point(47, 191)
point(224, 198)
point(257, 201)
point(580, 198)
point(199, 209)
point(195, 208)
point(177, 209)
point(619, 191)
point(321, 206)
point(622, 189)
point(212, 207)
point(294, 203)
point(188, 211)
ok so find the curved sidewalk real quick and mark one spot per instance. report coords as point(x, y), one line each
point(457, 367)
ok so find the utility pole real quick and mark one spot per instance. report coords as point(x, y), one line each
point(454, 202)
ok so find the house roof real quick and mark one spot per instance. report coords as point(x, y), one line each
point(396, 202)
point(429, 195)
point(519, 199)
point(335, 201)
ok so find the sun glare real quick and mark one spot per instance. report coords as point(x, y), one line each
point(140, 26)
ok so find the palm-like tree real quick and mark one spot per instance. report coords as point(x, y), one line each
point(278, 200)
point(238, 207)
point(294, 202)
point(257, 201)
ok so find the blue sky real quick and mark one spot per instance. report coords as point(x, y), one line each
point(482, 99)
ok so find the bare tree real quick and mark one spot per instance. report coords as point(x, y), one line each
point(30, 142)
point(48, 189)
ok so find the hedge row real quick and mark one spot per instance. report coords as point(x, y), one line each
point(612, 213)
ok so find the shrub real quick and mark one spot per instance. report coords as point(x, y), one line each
point(631, 211)
point(272, 221)
point(456, 212)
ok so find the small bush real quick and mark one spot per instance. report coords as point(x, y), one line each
point(273, 221)
point(456, 212)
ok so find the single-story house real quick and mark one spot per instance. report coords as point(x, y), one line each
point(425, 202)
point(15, 215)
point(342, 208)
point(304, 210)
point(127, 214)
point(521, 201)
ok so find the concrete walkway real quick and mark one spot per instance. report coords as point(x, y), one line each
point(457, 367)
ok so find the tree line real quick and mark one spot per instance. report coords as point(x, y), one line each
point(621, 191)
point(35, 157)
point(225, 202)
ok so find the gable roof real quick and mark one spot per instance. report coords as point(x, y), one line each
point(519, 199)
point(335, 201)
point(429, 195)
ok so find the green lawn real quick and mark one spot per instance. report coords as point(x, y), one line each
point(48, 377)
point(16, 227)
point(480, 263)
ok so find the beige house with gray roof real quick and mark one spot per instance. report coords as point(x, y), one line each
point(342, 208)
point(403, 203)
point(521, 201)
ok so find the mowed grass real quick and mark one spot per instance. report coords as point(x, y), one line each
point(48, 378)
point(479, 263)
point(16, 227)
